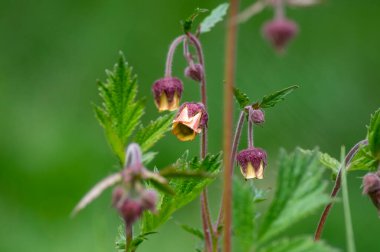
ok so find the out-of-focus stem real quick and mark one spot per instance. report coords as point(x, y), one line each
point(251, 11)
point(336, 188)
point(128, 236)
point(230, 58)
point(169, 58)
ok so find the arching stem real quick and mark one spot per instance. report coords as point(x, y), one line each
point(169, 58)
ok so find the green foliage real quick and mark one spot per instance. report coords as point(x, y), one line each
point(363, 160)
point(187, 25)
point(137, 240)
point(269, 101)
point(194, 231)
point(186, 190)
point(147, 136)
point(299, 244)
point(241, 98)
point(299, 191)
point(244, 215)
point(374, 135)
point(330, 162)
point(215, 17)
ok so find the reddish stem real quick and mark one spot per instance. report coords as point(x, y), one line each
point(250, 134)
point(169, 58)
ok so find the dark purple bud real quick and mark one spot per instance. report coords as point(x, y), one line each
point(252, 162)
point(256, 116)
point(371, 187)
point(194, 72)
point(189, 121)
point(167, 93)
point(149, 200)
point(117, 194)
point(279, 32)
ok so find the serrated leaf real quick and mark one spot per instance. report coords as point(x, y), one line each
point(194, 231)
point(244, 215)
point(173, 172)
point(147, 136)
point(120, 112)
point(299, 244)
point(363, 160)
point(374, 135)
point(241, 98)
point(299, 191)
point(215, 17)
point(329, 162)
point(272, 99)
point(186, 190)
point(188, 23)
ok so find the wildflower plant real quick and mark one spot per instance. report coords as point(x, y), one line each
point(146, 196)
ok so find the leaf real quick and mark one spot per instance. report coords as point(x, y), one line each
point(215, 17)
point(173, 172)
point(272, 99)
point(244, 215)
point(148, 157)
point(96, 191)
point(363, 160)
point(188, 23)
point(374, 135)
point(299, 191)
point(186, 190)
point(329, 162)
point(241, 98)
point(194, 231)
point(120, 111)
point(299, 244)
point(147, 136)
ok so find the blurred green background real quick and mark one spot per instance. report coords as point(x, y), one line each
point(52, 149)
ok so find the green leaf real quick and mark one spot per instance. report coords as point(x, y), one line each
point(148, 157)
point(330, 162)
point(120, 111)
point(363, 160)
point(272, 99)
point(215, 17)
point(244, 215)
point(299, 244)
point(188, 23)
point(194, 231)
point(299, 191)
point(147, 136)
point(173, 172)
point(374, 135)
point(186, 190)
point(241, 98)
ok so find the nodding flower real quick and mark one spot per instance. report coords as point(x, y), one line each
point(167, 93)
point(371, 187)
point(279, 32)
point(252, 162)
point(256, 116)
point(194, 72)
point(190, 120)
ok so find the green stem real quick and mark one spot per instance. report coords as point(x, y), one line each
point(128, 237)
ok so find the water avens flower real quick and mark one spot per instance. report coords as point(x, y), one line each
point(194, 72)
point(256, 115)
point(279, 32)
point(252, 162)
point(167, 93)
point(190, 120)
point(371, 187)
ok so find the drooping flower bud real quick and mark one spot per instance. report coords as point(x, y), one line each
point(129, 209)
point(252, 162)
point(279, 32)
point(194, 72)
point(149, 200)
point(371, 187)
point(190, 120)
point(256, 115)
point(167, 93)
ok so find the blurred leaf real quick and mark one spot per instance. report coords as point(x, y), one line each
point(148, 157)
point(188, 23)
point(299, 192)
point(186, 190)
point(120, 112)
point(374, 135)
point(363, 160)
point(215, 17)
point(121, 242)
point(194, 231)
point(173, 172)
point(241, 98)
point(299, 244)
point(147, 136)
point(329, 162)
point(244, 215)
point(272, 99)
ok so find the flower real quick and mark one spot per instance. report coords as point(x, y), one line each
point(256, 115)
point(252, 162)
point(190, 120)
point(279, 32)
point(167, 92)
point(194, 72)
point(371, 187)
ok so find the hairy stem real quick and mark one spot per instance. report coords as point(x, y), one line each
point(169, 58)
point(325, 213)
point(230, 58)
point(128, 236)
point(250, 134)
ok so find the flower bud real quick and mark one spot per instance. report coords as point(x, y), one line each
point(279, 32)
point(167, 93)
point(129, 209)
point(190, 120)
point(252, 162)
point(149, 200)
point(371, 187)
point(256, 116)
point(194, 72)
